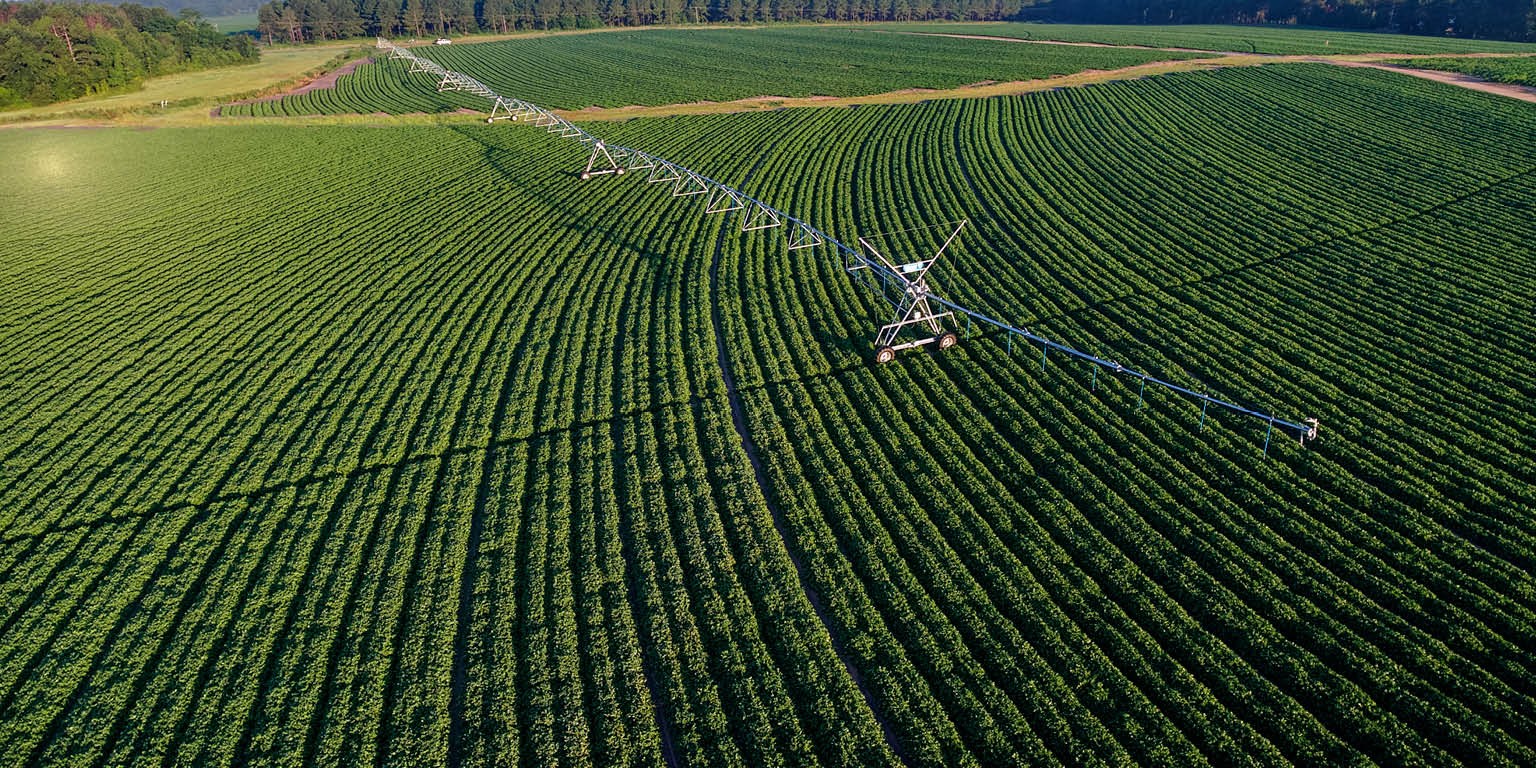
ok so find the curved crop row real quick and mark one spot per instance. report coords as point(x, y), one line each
point(652, 67)
point(426, 453)
point(1218, 256)
point(1520, 71)
point(1240, 38)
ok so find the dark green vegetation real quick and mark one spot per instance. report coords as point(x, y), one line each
point(239, 22)
point(1239, 39)
point(423, 453)
point(308, 20)
point(1521, 71)
point(212, 9)
point(56, 51)
point(300, 20)
point(617, 69)
point(1499, 19)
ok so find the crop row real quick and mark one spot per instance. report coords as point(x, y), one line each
point(1214, 592)
point(674, 66)
point(358, 521)
point(1517, 71)
point(425, 453)
point(1273, 39)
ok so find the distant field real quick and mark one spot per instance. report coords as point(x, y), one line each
point(672, 66)
point(1244, 39)
point(240, 22)
point(404, 446)
point(1516, 71)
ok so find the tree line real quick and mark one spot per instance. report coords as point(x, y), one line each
point(56, 51)
point(311, 20)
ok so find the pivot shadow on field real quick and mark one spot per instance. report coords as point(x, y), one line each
point(559, 178)
point(552, 178)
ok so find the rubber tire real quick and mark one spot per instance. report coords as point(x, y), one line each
point(948, 340)
point(884, 355)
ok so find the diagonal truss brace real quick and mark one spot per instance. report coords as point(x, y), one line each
point(600, 151)
point(639, 161)
point(804, 236)
point(761, 217)
point(724, 200)
point(663, 172)
point(502, 109)
point(690, 184)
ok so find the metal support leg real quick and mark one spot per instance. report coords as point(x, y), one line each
point(1094, 385)
point(1267, 433)
point(912, 308)
point(501, 106)
point(598, 150)
point(1043, 348)
point(1142, 395)
point(1203, 404)
point(915, 312)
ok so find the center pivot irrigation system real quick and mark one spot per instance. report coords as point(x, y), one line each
point(913, 300)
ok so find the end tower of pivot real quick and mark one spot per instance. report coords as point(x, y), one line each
point(914, 312)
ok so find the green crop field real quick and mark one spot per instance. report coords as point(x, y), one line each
point(405, 446)
point(238, 22)
point(1520, 71)
point(649, 67)
point(1218, 37)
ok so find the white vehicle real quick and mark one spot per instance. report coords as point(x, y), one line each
point(442, 41)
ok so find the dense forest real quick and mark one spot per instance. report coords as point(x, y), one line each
point(303, 20)
point(55, 51)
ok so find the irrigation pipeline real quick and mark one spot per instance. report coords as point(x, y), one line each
point(723, 198)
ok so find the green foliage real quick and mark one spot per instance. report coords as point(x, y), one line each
point(1498, 19)
point(1274, 39)
point(230, 24)
point(301, 20)
point(677, 66)
point(307, 20)
point(405, 446)
point(57, 51)
point(1521, 71)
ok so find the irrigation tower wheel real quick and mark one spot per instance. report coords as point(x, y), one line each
point(885, 355)
point(948, 340)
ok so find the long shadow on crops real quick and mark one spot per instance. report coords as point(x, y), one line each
point(362, 470)
point(495, 156)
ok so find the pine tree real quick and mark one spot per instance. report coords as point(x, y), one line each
point(413, 17)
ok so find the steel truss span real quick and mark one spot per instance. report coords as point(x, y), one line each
point(913, 300)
